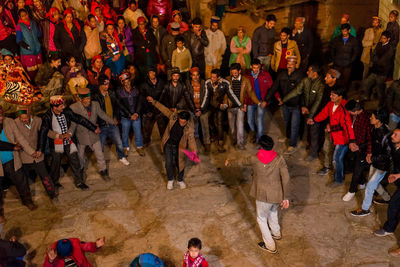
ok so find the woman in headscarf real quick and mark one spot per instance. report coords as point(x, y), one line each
point(240, 49)
point(39, 13)
point(92, 46)
point(27, 36)
point(97, 69)
point(177, 17)
point(49, 28)
point(7, 38)
point(97, 13)
point(61, 5)
point(10, 10)
point(125, 36)
point(69, 37)
point(113, 50)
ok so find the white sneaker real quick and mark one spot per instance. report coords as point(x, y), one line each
point(182, 185)
point(349, 196)
point(124, 161)
point(170, 185)
point(361, 186)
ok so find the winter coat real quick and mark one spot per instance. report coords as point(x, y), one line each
point(168, 46)
point(92, 47)
point(216, 98)
point(369, 42)
point(263, 41)
point(145, 48)
point(380, 144)
point(203, 103)
point(67, 45)
point(137, 100)
point(304, 41)
point(394, 29)
point(344, 54)
point(173, 97)
point(265, 83)
point(246, 91)
point(284, 84)
point(338, 32)
point(276, 57)
point(28, 37)
point(340, 123)
point(196, 44)
point(32, 136)
point(393, 98)
point(131, 17)
point(163, 9)
point(382, 59)
point(147, 88)
point(126, 35)
point(216, 47)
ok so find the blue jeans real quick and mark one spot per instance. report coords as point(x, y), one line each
point(251, 110)
point(338, 156)
point(375, 177)
point(112, 131)
point(136, 125)
point(291, 116)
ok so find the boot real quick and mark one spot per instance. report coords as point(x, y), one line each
point(140, 151)
point(221, 148)
point(104, 175)
point(207, 148)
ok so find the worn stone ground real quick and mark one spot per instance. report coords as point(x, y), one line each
point(137, 214)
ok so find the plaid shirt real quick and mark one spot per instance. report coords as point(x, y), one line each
point(362, 130)
point(63, 125)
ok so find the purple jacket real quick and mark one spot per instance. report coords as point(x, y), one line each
point(127, 37)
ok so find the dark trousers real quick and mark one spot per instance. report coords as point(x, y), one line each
point(393, 212)
point(40, 169)
point(148, 124)
point(313, 137)
point(344, 79)
point(172, 162)
point(74, 163)
point(377, 81)
point(19, 180)
point(217, 117)
point(360, 166)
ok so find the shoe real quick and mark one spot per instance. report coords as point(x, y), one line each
point(334, 184)
point(252, 137)
point(241, 147)
point(277, 237)
point(323, 171)
point(182, 185)
point(170, 185)
point(124, 161)
point(361, 186)
point(207, 148)
point(58, 185)
point(380, 201)
point(360, 212)
point(104, 175)
point(382, 232)
point(31, 206)
point(82, 186)
point(262, 246)
point(126, 151)
point(349, 196)
point(282, 139)
point(140, 151)
point(290, 150)
point(395, 253)
point(310, 158)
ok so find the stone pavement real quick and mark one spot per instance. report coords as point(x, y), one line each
point(137, 214)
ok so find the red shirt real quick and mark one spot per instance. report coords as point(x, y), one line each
point(283, 61)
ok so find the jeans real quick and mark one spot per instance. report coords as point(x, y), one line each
point(375, 177)
point(251, 110)
point(291, 116)
point(172, 162)
point(236, 125)
point(136, 125)
point(375, 80)
point(393, 121)
point(338, 156)
point(112, 131)
point(393, 212)
point(266, 61)
point(267, 219)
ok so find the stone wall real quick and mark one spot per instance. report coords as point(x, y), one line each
point(385, 6)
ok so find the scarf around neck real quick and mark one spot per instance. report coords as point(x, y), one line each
point(196, 262)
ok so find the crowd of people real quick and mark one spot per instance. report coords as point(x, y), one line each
point(75, 74)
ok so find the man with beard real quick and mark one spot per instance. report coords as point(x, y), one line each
point(216, 48)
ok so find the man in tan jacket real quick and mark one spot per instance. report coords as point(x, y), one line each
point(29, 127)
point(283, 49)
point(178, 136)
point(269, 188)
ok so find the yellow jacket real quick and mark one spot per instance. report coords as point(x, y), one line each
point(276, 57)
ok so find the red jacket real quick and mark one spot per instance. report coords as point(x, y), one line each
point(340, 123)
point(161, 8)
point(265, 82)
point(78, 254)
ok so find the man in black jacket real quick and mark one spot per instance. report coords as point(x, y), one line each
point(12, 253)
point(111, 105)
point(153, 86)
point(56, 123)
point(305, 41)
point(393, 104)
point(344, 51)
point(196, 40)
point(381, 60)
point(263, 41)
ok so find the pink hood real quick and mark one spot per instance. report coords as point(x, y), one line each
point(266, 156)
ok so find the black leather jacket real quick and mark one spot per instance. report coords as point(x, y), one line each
point(69, 116)
point(216, 98)
point(203, 101)
point(380, 148)
point(147, 88)
point(174, 97)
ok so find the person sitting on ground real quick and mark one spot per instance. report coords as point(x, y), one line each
point(269, 188)
point(71, 252)
point(193, 256)
point(12, 253)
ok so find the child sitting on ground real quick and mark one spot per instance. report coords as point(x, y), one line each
point(192, 257)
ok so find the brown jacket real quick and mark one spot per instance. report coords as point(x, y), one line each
point(276, 57)
point(270, 181)
point(246, 89)
point(14, 136)
point(187, 140)
point(31, 136)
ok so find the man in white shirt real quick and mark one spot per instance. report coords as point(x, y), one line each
point(216, 47)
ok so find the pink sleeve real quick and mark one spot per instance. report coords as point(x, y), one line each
point(234, 49)
point(248, 47)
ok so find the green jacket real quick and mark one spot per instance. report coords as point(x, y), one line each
point(337, 32)
point(311, 93)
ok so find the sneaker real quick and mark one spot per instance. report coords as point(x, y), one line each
point(382, 232)
point(361, 186)
point(380, 201)
point(140, 151)
point(126, 151)
point(290, 150)
point(182, 185)
point(360, 212)
point(82, 186)
point(124, 161)
point(262, 246)
point(323, 171)
point(104, 175)
point(349, 196)
point(170, 185)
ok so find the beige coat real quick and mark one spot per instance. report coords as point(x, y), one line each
point(93, 46)
point(131, 17)
point(84, 135)
point(14, 136)
point(270, 181)
point(31, 135)
point(369, 42)
point(187, 140)
point(276, 57)
point(216, 48)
